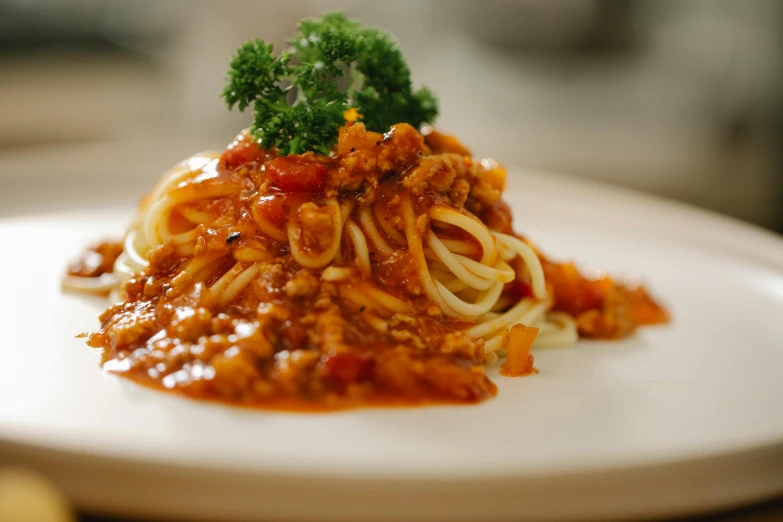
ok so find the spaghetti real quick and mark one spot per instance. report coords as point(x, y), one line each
point(385, 273)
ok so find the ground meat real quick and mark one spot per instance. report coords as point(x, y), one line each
point(96, 260)
point(369, 155)
point(408, 337)
point(291, 370)
point(458, 193)
point(435, 173)
point(498, 217)
point(483, 195)
point(269, 284)
point(234, 370)
point(440, 142)
point(400, 266)
point(329, 332)
point(190, 323)
point(317, 226)
point(257, 337)
point(304, 284)
point(612, 321)
point(487, 186)
point(451, 380)
point(128, 323)
point(402, 320)
point(398, 372)
point(459, 344)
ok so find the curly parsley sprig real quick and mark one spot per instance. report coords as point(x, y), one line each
point(299, 98)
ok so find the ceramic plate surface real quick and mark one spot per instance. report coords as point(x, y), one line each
point(681, 418)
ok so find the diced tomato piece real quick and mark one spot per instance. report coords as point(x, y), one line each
point(643, 307)
point(517, 343)
point(573, 292)
point(294, 333)
point(270, 208)
point(441, 142)
point(348, 368)
point(592, 296)
point(292, 174)
point(244, 149)
point(519, 289)
point(498, 217)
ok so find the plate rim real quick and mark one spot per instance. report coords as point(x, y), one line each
point(748, 242)
point(761, 248)
point(455, 496)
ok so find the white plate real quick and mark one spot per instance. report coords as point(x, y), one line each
point(678, 419)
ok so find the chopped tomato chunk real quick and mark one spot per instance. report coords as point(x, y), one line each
point(518, 290)
point(518, 342)
point(573, 292)
point(293, 174)
point(348, 368)
point(644, 309)
point(244, 149)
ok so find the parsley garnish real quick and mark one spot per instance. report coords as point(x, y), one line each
point(299, 97)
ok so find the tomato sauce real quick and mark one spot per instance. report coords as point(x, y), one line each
point(290, 337)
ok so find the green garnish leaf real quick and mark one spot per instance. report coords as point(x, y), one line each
point(299, 98)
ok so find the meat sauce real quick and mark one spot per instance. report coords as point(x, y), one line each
point(602, 308)
point(96, 260)
point(295, 340)
point(290, 340)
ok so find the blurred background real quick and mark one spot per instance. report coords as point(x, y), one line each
point(681, 99)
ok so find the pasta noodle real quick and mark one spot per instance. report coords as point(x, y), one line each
point(392, 287)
